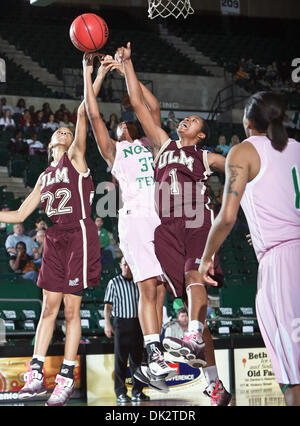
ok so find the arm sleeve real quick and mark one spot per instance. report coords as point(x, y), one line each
point(109, 293)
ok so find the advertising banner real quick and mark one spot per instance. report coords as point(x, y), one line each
point(255, 382)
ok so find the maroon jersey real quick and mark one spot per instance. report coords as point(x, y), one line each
point(66, 194)
point(181, 173)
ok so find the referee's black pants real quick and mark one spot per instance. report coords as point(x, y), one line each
point(129, 343)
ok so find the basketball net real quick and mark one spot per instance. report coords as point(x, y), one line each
point(165, 8)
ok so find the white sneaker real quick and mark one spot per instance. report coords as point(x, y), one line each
point(158, 367)
point(62, 391)
point(34, 384)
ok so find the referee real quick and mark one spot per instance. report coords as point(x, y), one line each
point(121, 300)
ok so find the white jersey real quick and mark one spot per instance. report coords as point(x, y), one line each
point(134, 171)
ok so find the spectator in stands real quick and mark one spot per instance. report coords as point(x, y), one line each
point(7, 122)
point(31, 110)
point(272, 71)
point(73, 118)
point(40, 224)
point(20, 107)
point(47, 111)
point(16, 237)
point(180, 327)
point(39, 239)
point(241, 77)
point(59, 114)
point(4, 106)
point(172, 130)
point(235, 140)
point(51, 123)
point(35, 145)
point(250, 66)
point(22, 263)
point(104, 237)
point(66, 122)
point(126, 108)
point(170, 118)
point(112, 125)
point(17, 144)
point(222, 148)
point(26, 122)
point(39, 121)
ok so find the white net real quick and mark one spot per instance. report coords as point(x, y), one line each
point(165, 8)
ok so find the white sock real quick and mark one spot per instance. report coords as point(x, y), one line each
point(196, 327)
point(151, 338)
point(211, 374)
point(39, 358)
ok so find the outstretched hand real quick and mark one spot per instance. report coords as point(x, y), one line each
point(110, 64)
point(206, 270)
point(123, 53)
point(88, 61)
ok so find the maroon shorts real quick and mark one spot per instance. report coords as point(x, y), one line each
point(179, 250)
point(71, 258)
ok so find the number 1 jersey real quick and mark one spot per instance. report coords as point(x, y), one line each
point(66, 194)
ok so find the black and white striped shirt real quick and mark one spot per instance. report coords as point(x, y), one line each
point(123, 294)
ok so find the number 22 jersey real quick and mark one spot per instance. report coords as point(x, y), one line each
point(66, 194)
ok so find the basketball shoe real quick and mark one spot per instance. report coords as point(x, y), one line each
point(218, 394)
point(156, 371)
point(34, 384)
point(158, 367)
point(62, 391)
point(188, 347)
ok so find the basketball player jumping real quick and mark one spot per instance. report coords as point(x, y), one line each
point(71, 256)
point(181, 169)
point(266, 161)
point(130, 162)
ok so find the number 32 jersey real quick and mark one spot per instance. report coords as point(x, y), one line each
point(134, 171)
point(66, 194)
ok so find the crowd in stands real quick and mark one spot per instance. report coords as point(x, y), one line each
point(275, 77)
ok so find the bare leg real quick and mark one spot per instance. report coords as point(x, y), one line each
point(197, 297)
point(161, 293)
point(73, 325)
point(147, 306)
point(44, 333)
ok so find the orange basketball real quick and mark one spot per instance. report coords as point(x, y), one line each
point(89, 32)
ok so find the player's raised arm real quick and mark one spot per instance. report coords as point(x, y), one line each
point(105, 144)
point(157, 135)
point(26, 208)
point(149, 99)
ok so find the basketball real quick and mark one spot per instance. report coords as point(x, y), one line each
point(89, 32)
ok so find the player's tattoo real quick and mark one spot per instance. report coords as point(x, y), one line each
point(233, 173)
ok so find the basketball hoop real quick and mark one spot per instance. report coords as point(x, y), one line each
point(165, 8)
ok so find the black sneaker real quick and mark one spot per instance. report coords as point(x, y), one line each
point(123, 399)
point(140, 397)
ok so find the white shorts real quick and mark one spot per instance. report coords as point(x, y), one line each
point(278, 309)
point(136, 235)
